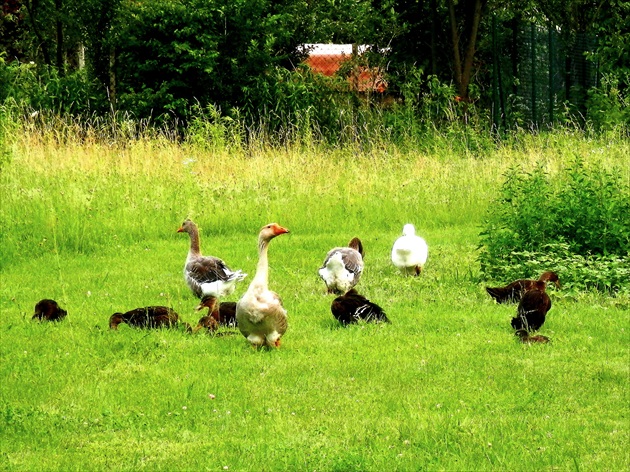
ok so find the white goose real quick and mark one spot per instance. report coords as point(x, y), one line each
point(208, 277)
point(410, 252)
point(343, 267)
point(259, 313)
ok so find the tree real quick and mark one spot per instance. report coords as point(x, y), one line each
point(464, 21)
point(53, 31)
point(100, 22)
point(613, 48)
point(171, 54)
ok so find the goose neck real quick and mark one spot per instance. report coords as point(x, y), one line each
point(262, 268)
point(194, 242)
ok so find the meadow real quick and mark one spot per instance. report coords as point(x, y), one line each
point(445, 386)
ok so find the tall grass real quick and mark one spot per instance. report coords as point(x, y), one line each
point(445, 387)
point(85, 194)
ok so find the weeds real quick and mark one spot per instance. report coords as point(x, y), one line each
point(576, 220)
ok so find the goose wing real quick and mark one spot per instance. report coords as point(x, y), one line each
point(352, 260)
point(208, 269)
point(512, 292)
point(151, 317)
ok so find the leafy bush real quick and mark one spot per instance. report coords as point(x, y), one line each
point(210, 129)
point(609, 104)
point(43, 88)
point(306, 107)
point(578, 272)
point(290, 102)
point(576, 222)
point(171, 55)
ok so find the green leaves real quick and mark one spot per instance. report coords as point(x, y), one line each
point(576, 222)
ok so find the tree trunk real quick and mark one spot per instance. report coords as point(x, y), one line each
point(457, 62)
point(434, 70)
point(112, 79)
point(470, 52)
point(60, 45)
point(33, 10)
point(463, 71)
point(81, 55)
point(514, 54)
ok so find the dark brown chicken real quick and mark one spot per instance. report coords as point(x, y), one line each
point(225, 315)
point(514, 291)
point(146, 317)
point(526, 338)
point(352, 307)
point(49, 310)
point(532, 309)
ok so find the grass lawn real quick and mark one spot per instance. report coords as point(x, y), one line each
point(445, 386)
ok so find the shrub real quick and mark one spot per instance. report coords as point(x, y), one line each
point(44, 89)
point(210, 129)
point(577, 272)
point(576, 221)
point(294, 105)
point(609, 104)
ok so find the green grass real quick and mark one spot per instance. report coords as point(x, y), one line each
point(446, 386)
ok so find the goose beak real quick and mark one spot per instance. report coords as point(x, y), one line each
point(278, 230)
point(180, 230)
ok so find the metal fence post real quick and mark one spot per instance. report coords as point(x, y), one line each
point(551, 56)
point(495, 78)
point(533, 73)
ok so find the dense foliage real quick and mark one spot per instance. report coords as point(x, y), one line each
point(576, 221)
point(164, 60)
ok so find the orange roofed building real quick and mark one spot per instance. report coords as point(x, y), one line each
point(327, 59)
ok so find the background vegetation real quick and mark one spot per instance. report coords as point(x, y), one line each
point(573, 220)
point(500, 65)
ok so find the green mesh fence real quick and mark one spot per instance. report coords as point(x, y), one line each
point(539, 76)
